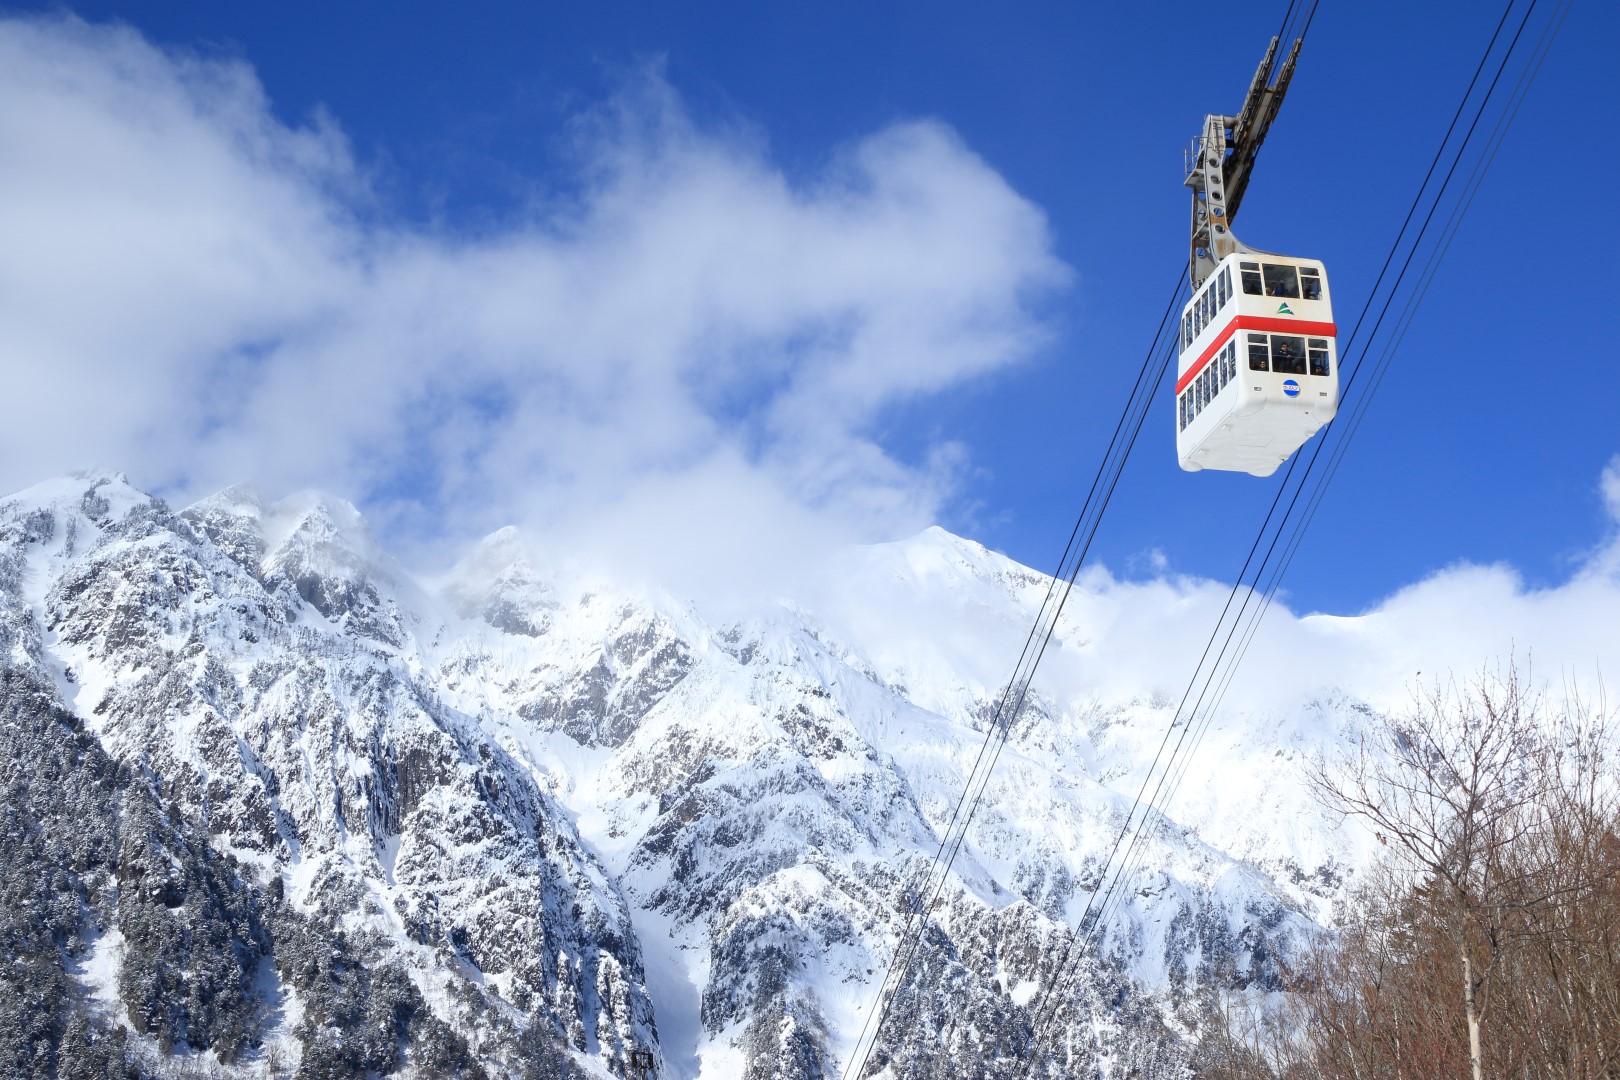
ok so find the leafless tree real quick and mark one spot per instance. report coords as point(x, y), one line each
point(1488, 937)
point(1447, 788)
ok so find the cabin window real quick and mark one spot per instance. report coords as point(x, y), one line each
point(1288, 354)
point(1281, 281)
point(1226, 284)
point(1310, 283)
point(1223, 365)
point(1319, 356)
point(1203, 390)
point(1181, 412)
point(1231, 360)
point(1258, 353)
point(1186, 331)
point(1251, 279)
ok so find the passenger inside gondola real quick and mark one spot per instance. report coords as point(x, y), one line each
point(1250, 273)
point(1281, 281)
point(1257, 353)
point(1310, 283)
point(1288, 355)
point(1319, 356)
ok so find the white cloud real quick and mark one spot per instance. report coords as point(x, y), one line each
point(681, 363)
point(1454, 623)
point(932, 612)
point(676, 366)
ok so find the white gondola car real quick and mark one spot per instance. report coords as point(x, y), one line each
point(1259, 371)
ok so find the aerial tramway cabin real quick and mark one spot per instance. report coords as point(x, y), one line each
point(1259, 371)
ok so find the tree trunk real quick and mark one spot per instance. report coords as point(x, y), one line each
point(1473, 1016)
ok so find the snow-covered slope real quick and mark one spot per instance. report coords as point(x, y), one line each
point(595, 813)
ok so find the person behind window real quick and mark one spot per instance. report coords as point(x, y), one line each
point(1281, 280)
point(1317, 350)
point(1282, 357)
point(1257, 353)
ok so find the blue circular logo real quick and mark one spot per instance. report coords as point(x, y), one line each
point(1291, 388)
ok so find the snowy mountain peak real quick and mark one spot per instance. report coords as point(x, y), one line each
point(313, 530)
point(318, 549)
point(579, 806)
point(497, 582)
point(97, 497)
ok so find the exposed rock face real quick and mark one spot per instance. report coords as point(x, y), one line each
point(527, 823)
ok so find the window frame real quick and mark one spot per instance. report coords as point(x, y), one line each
point(1263, 343)
point(1298, 364)
point(1313, 348)
point(1316, 276)
point(1245, 271)
point(1271, 269)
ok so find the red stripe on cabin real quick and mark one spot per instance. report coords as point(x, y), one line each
point(1256, 322)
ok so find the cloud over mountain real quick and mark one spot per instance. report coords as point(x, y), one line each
point(199, 292)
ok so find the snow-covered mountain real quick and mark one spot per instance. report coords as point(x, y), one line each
point(560, 821)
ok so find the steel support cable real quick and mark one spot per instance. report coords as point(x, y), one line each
point(1169, 793)
point(1291, 18)
point(1403, 322)
point(906, 945)
point(1049, 998)
point(1392, 346)
point(1023, 684)
point(1109, 890)
point(1021, 678)
point(1137, 403)
point(1282, 35)
point(1392, 343)
point(1180, 772)
point(1471, 190)
point(1350, 382)
point(1106, 890)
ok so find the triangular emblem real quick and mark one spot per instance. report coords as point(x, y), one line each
point(1284, 309)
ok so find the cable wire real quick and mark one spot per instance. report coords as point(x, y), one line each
point(1197, 722)
point(1013, 695)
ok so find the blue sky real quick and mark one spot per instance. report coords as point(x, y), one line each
point(465, 126)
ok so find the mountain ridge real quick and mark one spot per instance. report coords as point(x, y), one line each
point(525, 789)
